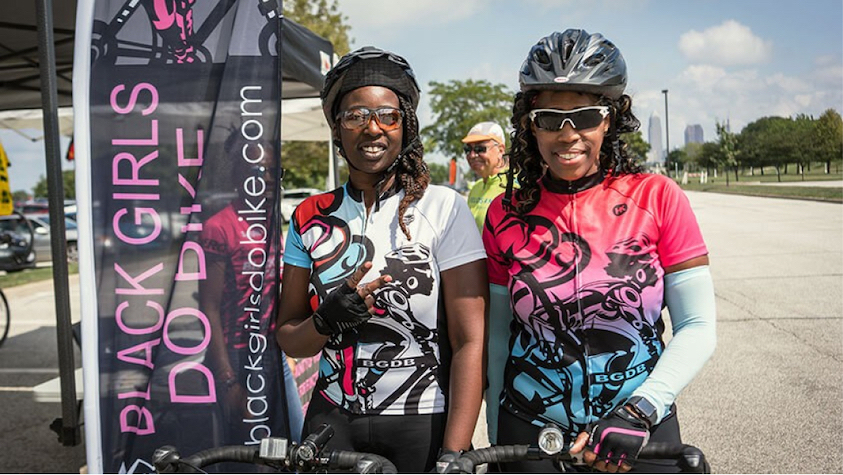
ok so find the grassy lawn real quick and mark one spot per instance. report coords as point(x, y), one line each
point(765, 185)
point(32, 275)
point(796, 192)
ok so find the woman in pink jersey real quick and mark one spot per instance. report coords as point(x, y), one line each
point(582, 259)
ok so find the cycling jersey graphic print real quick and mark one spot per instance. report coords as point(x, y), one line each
point(391, 364)
point(586, 289)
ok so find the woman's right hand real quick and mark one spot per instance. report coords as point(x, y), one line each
point(350, 305)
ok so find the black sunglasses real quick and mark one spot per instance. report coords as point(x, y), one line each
point(387, 118)
point(580, 119)
point(478, 149)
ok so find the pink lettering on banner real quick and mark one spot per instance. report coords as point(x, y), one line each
point(133, 98)
point(203, 372)
point(187, 312)
point(140, 331)
point(135, 282)
point(187, 186)
point(143, 417)
point(135, 165)
point(146, 348)
point(152, 141)
point(131, 394)
point(187, 248)
point(189, 162)
point(139, 213)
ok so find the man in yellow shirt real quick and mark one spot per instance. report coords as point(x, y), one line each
point(484, 149)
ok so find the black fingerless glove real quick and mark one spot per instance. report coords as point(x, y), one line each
point(618, 437)
point(342, 310)
point(446, 462)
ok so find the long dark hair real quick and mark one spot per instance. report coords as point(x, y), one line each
point(526, 161)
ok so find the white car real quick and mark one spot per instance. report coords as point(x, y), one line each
point(291, 198)
point(41, 230)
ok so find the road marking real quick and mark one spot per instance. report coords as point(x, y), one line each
point(15, 389)
point(29, 370)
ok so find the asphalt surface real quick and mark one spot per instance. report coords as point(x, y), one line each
point(769, 401)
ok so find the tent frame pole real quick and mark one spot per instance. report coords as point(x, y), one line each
point(67, 427)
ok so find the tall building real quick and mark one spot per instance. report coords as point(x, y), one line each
point(694, 134)
point(656, 155)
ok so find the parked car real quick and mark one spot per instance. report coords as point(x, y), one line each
point(291, 198)
point(15, 250)
point(41, 230)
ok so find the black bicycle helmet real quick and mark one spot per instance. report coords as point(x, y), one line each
point(382, 69)
point(574, 60)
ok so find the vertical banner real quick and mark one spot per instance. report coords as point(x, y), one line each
point(178, 139)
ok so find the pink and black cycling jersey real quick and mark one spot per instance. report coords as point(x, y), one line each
point(584, 270)
point(392, 364)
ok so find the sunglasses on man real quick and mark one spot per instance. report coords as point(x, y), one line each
point(582, 118)
point(387, 118)
point(478, 149)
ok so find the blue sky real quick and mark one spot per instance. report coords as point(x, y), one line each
point(738, 60)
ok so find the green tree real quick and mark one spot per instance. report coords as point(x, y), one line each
point(306, 163)
point(727, 141)
point(20, 195)
point(458, 105)
point(69, 183)
point(691, 154)
point(801, 131)
point(438, 173)
point(709, 156)
point(769, 141)
point(323, 18)
point(828, 138)
point(677, 155)
point(638, 148)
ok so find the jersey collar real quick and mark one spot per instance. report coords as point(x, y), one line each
point(565, 187)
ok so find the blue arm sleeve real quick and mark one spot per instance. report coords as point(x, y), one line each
point(500, 316)
point(689, 295)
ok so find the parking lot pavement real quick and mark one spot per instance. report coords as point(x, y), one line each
point(29, 357)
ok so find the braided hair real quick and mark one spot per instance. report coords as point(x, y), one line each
point(528, 165)
point(412, 171)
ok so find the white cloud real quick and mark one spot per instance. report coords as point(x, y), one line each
point(728, 44)
point(365, 14)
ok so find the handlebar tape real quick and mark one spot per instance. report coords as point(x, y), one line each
point(236, 453)
point(689, 457)
point(346, 460)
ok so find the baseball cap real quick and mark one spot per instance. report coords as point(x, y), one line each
point(485, 131)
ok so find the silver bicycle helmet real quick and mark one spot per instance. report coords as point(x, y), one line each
point(575, 60)
point(382, 69)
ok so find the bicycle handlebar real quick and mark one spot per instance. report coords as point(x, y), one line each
point(690, 458)
point(278, 453)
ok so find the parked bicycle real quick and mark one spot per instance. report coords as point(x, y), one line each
point(551, 445)
point(16, 241)
point(278, 453)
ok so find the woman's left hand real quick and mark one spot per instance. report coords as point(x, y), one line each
point(613, 443)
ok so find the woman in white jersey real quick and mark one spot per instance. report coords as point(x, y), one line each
point(385, 276)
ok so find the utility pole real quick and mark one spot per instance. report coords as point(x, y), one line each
point(667, 134)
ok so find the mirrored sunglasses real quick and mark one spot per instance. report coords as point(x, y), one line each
point(478, 149)
point(580, 119)
point(387, 118)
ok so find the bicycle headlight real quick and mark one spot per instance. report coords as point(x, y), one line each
point(551, 440)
